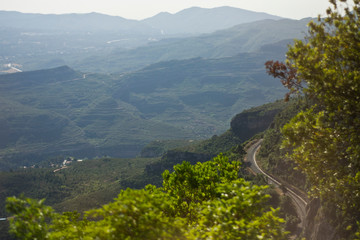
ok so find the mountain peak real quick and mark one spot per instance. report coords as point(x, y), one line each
point(196, 20)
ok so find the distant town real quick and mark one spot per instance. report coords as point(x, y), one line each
point(11, 68)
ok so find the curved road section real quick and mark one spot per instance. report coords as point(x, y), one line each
point(299, 201)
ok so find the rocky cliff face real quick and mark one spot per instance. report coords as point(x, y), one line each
point(317, 226)
point(248, 123)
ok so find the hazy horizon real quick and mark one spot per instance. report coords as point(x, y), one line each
point(142, 9)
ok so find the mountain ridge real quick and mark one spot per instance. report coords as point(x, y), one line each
point(81, 22)
point(97, 114)
point(247, 37)
point(204, 20)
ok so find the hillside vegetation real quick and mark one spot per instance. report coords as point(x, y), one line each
point(92, 183)
point(64, 112)
point(195, 201)
point(323, 139)
point(273, 158)
point(81, 186)
point(93, 175)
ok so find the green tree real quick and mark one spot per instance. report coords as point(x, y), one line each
point(326, 138)
point(31, 218)
point(134, 214)
point(213, 203)
point(239, 213)
point(190, 185)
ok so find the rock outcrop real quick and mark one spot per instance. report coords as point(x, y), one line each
point(317, 225)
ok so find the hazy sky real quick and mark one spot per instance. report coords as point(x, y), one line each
point(140, 9)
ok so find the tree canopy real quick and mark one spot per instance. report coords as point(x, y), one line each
point(326, 137)
point(202, 201)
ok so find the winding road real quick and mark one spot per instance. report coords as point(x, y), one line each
point(300, 202)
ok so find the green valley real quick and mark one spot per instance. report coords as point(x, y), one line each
point(91, 183)
point(61, 111)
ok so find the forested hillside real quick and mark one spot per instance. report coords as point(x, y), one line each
point(92, 183)
point(64, 112)
point(274, 158)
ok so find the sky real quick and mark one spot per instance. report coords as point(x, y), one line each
point(141, 9)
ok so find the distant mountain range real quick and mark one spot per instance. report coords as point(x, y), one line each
point(92, 22)
point(68, 39)
point(247, 37)
point(189, 21)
